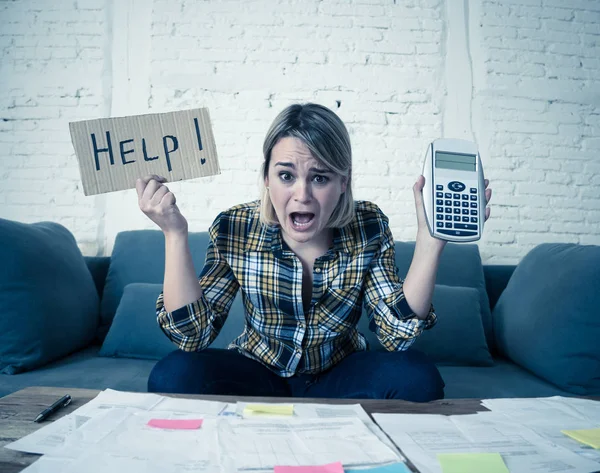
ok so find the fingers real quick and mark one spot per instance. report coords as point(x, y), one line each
point(142, 182)
point(169, 199)
point(158, 195)
point(487, 213)
point(488, 195)
point(486, 182)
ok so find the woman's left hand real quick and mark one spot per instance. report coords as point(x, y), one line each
point(423, 234)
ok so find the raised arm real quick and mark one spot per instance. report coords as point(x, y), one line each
point(159, 204)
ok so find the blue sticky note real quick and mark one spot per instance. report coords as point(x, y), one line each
point(393, 468)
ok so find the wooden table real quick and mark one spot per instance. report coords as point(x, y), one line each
point(18, 410)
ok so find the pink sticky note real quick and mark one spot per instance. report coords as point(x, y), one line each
point(175, 423)
point(329, 468)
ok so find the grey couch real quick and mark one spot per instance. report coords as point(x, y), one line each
point(127, 283)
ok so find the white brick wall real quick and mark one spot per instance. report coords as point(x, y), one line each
point(519, 77)
point(52, 71)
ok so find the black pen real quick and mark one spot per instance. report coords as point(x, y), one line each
point(62, 402)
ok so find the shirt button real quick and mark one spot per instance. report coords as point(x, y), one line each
point(317, 270)
point(301, 325)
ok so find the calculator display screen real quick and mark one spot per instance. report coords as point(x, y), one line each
point(459, 162)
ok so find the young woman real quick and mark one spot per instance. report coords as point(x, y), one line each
point(306, 257)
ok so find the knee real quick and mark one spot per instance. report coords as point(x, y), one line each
point(171, 374)
point(432, 384)
point(412, 377)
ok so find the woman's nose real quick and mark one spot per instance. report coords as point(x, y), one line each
point(302, 192)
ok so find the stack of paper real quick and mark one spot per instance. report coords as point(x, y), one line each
point(147, 433)
point(525, 433)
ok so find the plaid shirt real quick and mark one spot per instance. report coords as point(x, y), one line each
point(279, 332)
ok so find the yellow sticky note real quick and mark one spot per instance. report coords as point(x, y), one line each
point(472, 463)
point(269, 410)
point(590, 437)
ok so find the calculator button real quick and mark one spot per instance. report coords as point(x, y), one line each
point(456, 211)
point(439, 194)
point(465, 219)
point(448, 217)
point(457, 203)
point(464, 226)
point(457, 218)
point(473, 212)
point(473, 205)
point(456, 186)
point(448, 210)
point(465, 204)
point(439, 217)
point(439, 202)
point(456, 232)
point(439, 187)
point(439, 209)
point(447, 195)
point(465, 211)
point(465, 197)
point(473, 219)
point(448, 225)
point(448, 202)
point(473, 190)
point(473, 197)
point(440, 224)
point(456, 196)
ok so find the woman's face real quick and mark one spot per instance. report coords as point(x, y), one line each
point(304, 193)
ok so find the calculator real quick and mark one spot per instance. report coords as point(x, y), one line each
point(454, 192)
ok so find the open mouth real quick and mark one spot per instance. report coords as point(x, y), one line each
point(302, 220)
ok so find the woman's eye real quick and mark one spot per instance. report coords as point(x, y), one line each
point(321, 179)
point(285, 176)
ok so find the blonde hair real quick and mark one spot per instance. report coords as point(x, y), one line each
point(326, 136)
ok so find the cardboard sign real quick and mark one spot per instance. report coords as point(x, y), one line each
point(114, 152)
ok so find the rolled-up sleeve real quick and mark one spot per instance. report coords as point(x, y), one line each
point(396, 325)
point(194, 326)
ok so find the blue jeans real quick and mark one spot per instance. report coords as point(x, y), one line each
point(407, 375)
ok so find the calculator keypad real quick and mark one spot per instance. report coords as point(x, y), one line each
point(457, 209)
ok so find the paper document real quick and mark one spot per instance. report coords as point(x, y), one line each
point(265, 443)
point(54, 434)
point(547, 417)
point(423, 436)
point(325, 411)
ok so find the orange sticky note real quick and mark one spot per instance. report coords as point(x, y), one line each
point(328, 468)
point(181, 424)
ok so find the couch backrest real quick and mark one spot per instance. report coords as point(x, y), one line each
point(138, 256)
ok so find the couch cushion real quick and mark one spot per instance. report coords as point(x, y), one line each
point(84, 369)
point(546, 320)
point(138, 256)
point(504, 379)
point(135, 333)
point(460, 265)
point(457, 338)
point(48, 298)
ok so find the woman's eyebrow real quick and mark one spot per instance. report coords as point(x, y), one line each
point(287, 165)
point(293, 166)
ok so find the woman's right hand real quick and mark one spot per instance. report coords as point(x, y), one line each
point(159, 204)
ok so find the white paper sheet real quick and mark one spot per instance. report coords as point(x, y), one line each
point(264, 443)
point(422, 437)
point(54, 435)
point(548, 416)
